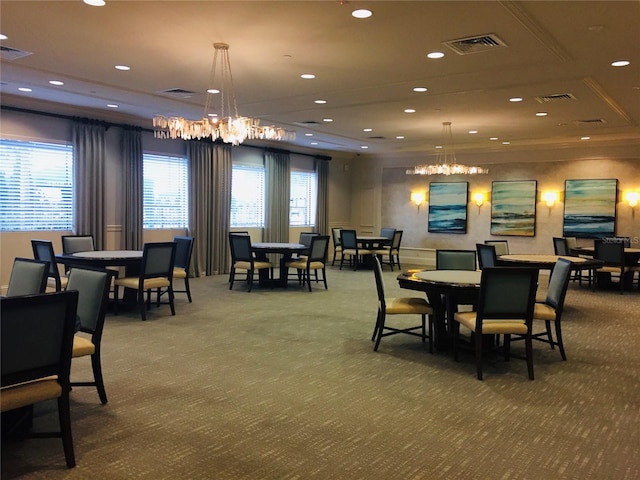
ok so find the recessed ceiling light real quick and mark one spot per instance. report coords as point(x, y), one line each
point(112, 105)
point(438, 146)
point(212, 114)
point(620, 63)
point(409, 110)
point(541, 114)
point(56, 82)
point(307, 76)
point(314, 143)
point(506, 143)
point(25, 89)
point(320, 101)
point(213, 90)
point(367, 129)
point(308, 134)
point(435, 55)
point(400, 137)
point(585, 138)
point(3, 36)
point(420, 89)
point(364, 147)
point(95, 3)
point(124, 68)
point(472, 132)
point(362, 13)
point(493, 138)
point(515, 99)
point(328, 120)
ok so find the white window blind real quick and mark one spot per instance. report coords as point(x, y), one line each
point(247, 196)
point(304, 198)
point(165, 198)
point(36, 186)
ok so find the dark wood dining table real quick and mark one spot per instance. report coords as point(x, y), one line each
point(445, 290)
point(285, 250)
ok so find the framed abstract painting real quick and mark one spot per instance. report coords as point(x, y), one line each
point(590, 208)
point(513, 208)
point(448, 207)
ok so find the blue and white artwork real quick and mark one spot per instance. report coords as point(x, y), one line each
point(590, 208)
point(513, 208)
point(448, 207)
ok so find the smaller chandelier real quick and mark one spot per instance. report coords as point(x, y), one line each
point(446, 163)
point(225, 124)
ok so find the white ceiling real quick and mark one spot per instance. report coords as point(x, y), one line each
point(365, 69)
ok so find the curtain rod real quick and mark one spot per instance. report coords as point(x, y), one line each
point(123, 125)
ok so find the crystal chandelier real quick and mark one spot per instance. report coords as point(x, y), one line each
point(226, 123)
point(446, 163)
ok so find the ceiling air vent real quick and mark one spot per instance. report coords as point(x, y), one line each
point(591, 121)
point(480, 43)
point(556, 97)
point(308, 123)
point(178, 93)
point(8, 53)
point(376, 137)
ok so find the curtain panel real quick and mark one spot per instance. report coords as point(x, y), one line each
point(132, 198)
point(322, 212)
point(277, 183)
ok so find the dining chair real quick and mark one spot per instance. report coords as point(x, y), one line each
point(455, 259)
point(37, 337)
point(77, 243)
point(387, 232)
point(184, 250)
point(560, 246)
point(392, 251)
point(612, 254)
point(156, 273)
point(93, 295)
point(350, 248)
point(337, 244)
point(400, 306)
point(550, 310)
point(242, 259)
point(487, 256)
point(505, 307)
point(28, 277)
point(315, 260)
point(43, 250)
point(502, 246)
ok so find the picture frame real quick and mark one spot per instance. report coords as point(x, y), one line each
point(448, 207)
point(590, 208)
point(513, 208)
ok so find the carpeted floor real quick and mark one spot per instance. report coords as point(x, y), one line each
point(284, 384)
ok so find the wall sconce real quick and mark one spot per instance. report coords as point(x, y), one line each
point(632, 198)
point(550, 197)
point(418, 198)
point(479, 198)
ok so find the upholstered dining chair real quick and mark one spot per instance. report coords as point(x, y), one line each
point(350, 249)
point(505, 307)
point(337, 244)
point(387, 232)
point(37, 336)
point(93, 296)
point(560, 246)
point(315, 260)
point(156, 273)
point(487, 256)
point(242, 259)
point(28, 277)
point(400, 306)
point(43, 250)
point(77, 243)
point(502, 246)
point(612, 254)
point(455, 259)
point(390, 254)
point(550, 310)
point(184, 250)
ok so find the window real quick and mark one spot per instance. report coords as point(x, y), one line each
point(165, 202)
point(304, 198)
point(36, 186)
point(247, 196)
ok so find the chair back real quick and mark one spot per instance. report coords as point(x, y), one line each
point(487, 257)
point(456, 260)
point(93, 296)
point(305, 238)
point(387, 232)
point(158, 260)
point(611, 253)
point(77, 243)
point(572, 242)
point(507, 293)
point(240, 248)
point(396, 240)
point(377, 271)
point(560, 246)
point(349, 239)
point(43, 250)
point(558, 284)
point(28, 277)
point(37, 336)
point(184, 250)
point(502, 246)
point(318, 248)
point(335, 232)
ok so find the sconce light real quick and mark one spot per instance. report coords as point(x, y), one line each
point(479, 198)
point(550, 197)
point(418, 198)
point(632, 198)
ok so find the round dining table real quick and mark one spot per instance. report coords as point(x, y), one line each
point(286, 250)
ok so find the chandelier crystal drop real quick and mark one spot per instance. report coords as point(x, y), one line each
point(446, 163)
point(225, 123)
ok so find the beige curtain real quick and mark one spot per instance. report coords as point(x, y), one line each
point(322, 207)
point(88, 161)
point(277, 183)
point(132, 197)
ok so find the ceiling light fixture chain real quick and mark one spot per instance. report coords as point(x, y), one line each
point(228, 125)
point(446, 162)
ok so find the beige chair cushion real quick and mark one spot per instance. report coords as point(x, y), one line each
point(82, 346)
point(502, 326)
point(179, 272)
point(542, 311)
point(302, 265)
point(256, 265)
point(408, 305)
point(361, 251)
point(29, 393)
point(51, 283)
point(149, 283)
